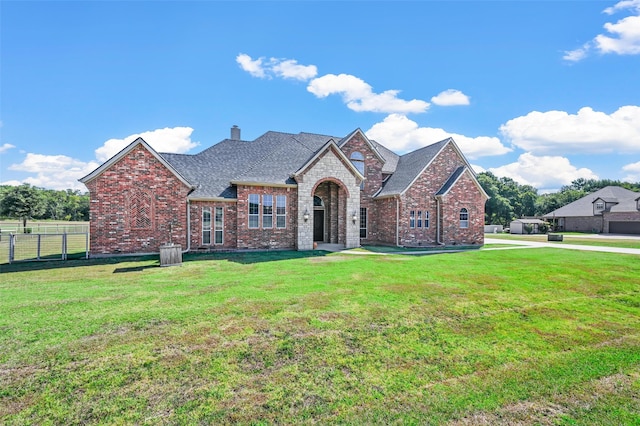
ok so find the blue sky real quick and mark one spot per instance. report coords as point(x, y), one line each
point(543, 91)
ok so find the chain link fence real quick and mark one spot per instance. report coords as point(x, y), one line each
point(43, 246)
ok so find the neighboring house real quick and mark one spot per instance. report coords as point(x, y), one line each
point(519, 226)
point(284, 191)
point(610, 210)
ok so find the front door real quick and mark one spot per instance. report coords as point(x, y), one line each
point(318, 225)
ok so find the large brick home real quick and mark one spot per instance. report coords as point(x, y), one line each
point(284, 191)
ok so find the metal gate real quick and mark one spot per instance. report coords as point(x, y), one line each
point(36, 247)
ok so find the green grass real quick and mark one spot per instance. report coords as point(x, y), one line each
point(539, 336)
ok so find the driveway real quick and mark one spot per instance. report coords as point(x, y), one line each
point(533, 244)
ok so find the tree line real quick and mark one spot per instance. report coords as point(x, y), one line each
point(26, 202)
point(510, 200)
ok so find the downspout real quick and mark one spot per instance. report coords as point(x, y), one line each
point(188, 228)
point(398, 221)
point(438, 240)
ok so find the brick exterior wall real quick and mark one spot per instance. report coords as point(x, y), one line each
point(420, 196)
point(385, 210)
point(230, 222)
point(583, 224)
point(464, 194)
point(137, 205)
point(265, 238)
point(372, 183)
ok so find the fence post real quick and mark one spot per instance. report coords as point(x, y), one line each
point(11, 247)
point(39, 237)
point(64, 246)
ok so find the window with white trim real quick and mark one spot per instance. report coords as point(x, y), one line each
point(254, 211)
point(363, 222)
point(599, 206)
point(281, 211)
point(206, 225)
point(464, 218)
point(426, 219)
point(419, 218)
point(412, 219)
point(219, 226)
point(267, 211)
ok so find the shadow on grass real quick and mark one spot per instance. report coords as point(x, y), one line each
point(247, 257)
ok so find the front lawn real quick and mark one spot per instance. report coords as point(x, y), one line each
point(531, 336)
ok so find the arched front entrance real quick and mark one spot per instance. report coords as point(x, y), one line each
point(329, 213)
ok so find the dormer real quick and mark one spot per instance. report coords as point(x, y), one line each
point(601, 205)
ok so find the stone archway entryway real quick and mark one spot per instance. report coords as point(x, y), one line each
point(329, 213)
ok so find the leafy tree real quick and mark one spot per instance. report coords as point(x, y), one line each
point(22, 202)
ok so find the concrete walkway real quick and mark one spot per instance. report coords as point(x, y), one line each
point(536, 244)
point(513, 244)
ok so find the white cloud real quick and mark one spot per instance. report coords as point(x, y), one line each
point(543, 172)
point(6, 147)
point(253, 67)
point(359, 96)
point(289, 68)
point(633, 171)
point(625, 40)
point(54, 171)
point(623, 37)
point(588, 131)
point(450, 97)
point(170, 139)
point(400, 134)
point(283, 68)
point(577, 54)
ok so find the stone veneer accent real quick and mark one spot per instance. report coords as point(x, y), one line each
point(137, 205)
point(328, 167)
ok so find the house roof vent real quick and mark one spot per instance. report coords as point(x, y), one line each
point(235, 133)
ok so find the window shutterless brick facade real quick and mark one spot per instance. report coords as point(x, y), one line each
point(141, 200)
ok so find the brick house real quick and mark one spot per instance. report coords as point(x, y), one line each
point(610, 210)
point(284, 191)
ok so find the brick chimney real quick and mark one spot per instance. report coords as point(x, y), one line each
point(235, 133)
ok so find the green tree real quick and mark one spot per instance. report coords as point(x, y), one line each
point(22, 202)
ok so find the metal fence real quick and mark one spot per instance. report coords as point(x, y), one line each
point(34, 247)
point(44, 228)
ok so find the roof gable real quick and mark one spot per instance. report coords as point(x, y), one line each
point(126, 150)
point(329, 146)
point(358, 131)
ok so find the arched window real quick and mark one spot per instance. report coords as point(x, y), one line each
point(357, 159)
point(464, 218)
point(317, 201)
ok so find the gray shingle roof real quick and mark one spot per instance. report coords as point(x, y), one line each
point(271, 158)
point(584, 206)
point(409, 167)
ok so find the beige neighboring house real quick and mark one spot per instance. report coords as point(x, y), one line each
point(610, 210)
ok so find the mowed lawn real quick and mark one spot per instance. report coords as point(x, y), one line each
point(541, 336)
